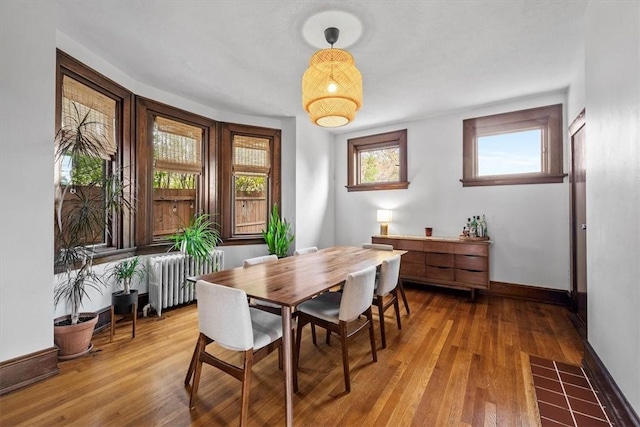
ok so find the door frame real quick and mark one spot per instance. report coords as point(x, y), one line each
point(576, 125)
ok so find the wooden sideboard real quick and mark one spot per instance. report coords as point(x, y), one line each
point(442, 261)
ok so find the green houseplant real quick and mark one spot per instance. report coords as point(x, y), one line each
point(85, 201)
point(197, 241)
point(278, 235)
point(123, 272)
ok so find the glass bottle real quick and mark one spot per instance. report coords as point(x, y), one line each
point(483, 224)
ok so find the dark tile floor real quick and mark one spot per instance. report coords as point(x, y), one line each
point(565, 395)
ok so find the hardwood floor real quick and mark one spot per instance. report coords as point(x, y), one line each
point(453, 363)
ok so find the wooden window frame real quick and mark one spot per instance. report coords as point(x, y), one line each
point(146, 110)
point(372, 142)
point(121, 230)
point(227, 195)
point(547, 118)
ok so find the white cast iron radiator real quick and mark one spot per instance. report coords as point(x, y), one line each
point(167, 273)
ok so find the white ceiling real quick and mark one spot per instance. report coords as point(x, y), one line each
point(417, 58)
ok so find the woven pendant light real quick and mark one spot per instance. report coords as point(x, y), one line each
point(332, 85)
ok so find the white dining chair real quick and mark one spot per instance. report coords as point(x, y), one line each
point(387, 288)
point(266, 259)
point(333, 311)
point(263, 305)
point(384, 247)
point(309, 250)
point(224, 317)
point(379, 246)
point(303, 251)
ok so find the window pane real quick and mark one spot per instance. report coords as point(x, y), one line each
point(250, 190)
point(84, 213)
point(251, 172)
point(510, 153)
point(380, 165)
point(176, 173)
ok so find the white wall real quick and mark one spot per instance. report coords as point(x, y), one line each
point(612, 63)
point(27, 65)
point(529, 224)
point(315, 225)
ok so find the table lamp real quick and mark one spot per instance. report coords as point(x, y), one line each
point(384, 218)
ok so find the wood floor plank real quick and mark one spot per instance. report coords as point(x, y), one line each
point(454, 362)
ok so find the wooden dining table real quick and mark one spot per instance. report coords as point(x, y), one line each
point(293, 280)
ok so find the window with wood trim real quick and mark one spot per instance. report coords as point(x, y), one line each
point(250, 180)
point(179, 165)
point(83, 95)
point(377, 162)
point(176, 170)
point(519, 147)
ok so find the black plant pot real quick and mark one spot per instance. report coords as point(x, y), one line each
point(122, 302)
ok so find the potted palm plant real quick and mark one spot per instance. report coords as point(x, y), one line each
point(278, 235)
point(197, 241)
point(89, 197)
point(123, 273)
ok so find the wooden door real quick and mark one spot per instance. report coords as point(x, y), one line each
point(578, 222)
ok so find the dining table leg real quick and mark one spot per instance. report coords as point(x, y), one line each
point(287, 344)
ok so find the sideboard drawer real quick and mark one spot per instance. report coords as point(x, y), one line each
point(408, 245)
point(471, 249)
point(473, 277)
point(439, 273)
point(414, 257)
point(439, 260)
point(411, 269)
point(471, 262)
point(441, 247)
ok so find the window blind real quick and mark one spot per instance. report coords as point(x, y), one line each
point(101, 110)
point(177, 147)
point(251, 154)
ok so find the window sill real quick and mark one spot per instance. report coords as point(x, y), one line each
point(514, 180)
point(241, 240)
point(379, 186)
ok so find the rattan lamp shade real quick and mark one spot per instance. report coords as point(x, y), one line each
point(332, 88)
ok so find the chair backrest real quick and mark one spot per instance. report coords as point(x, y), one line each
point(357, 294)
point(267, 259)
point(308, 250)
point(223, 315)
point(379, 246)
point(389, 274)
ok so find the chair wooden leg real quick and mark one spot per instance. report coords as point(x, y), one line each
point(404, 297)
point(298, 339)
point(197, 368)
point(380, 305)
point(396, 306)
point(313, 334)
point(372, 336)
point(246, 387)
point(345, 355)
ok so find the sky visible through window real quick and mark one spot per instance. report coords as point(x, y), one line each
point(510, 153)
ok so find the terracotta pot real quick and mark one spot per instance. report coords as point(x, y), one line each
point(74, 340)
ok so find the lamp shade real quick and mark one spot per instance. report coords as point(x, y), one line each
point(384, 215)
point(332, 88)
